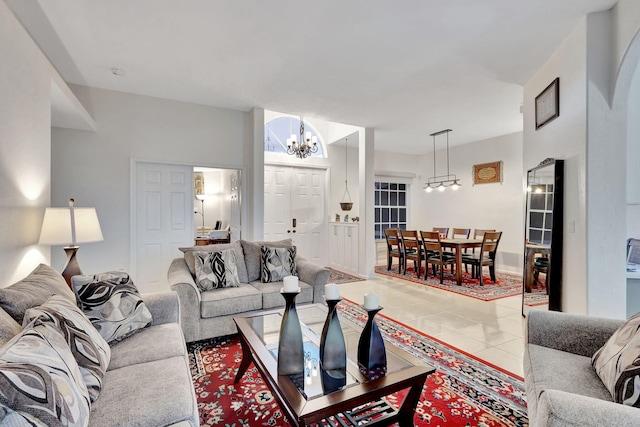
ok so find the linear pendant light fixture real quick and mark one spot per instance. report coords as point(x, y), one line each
point(440, 182)
point(305, 147)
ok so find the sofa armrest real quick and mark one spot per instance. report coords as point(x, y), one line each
point(164, 307)
point(577, 334)
point(559, 408)
point(181, 281)
point(313, 275)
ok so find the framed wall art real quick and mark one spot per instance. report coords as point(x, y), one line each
point(487, 173)
point(548, 104)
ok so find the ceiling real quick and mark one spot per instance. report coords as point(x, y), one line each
point(405, 68)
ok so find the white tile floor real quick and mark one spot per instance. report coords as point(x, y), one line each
point(490, 330)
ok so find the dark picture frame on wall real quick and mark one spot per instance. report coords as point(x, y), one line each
point(548, 104)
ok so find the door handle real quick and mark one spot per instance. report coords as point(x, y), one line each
point(294, 223)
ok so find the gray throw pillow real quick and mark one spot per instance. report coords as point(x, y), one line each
point(9, 328)
point(277, 263)
point(90, 350)
point(617, 363)
point(33, 290)
point(253, 256)
point(112, 303)
point(237, 249)
point(40, 380)
point(215, 270)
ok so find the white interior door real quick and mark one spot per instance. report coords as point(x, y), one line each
point(163, 221)
point(295, 207)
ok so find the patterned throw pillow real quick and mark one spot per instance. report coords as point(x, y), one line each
point(40, 380)
point(617, 363)
point(277, 263)
point(112, 303)
point(90, 350)
point(215, 270)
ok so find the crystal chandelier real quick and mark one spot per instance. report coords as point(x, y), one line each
point(442, 181)
point(306, 146)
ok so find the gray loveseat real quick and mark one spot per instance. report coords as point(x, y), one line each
point(147, 382)
point(563, 388)
point(210, 313)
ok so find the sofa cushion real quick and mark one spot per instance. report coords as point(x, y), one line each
point(90, 350)
point(546, 368)
point(237, 249)
point(216, 270)
point(152, 343)
point(40, 377)
point(9, 328)
point(226, 301)
point(272, 297)
point(112, 303)
point(33, 290)
point(158, 393)
point(617, 363)
point(252, 255)
point(277, 263)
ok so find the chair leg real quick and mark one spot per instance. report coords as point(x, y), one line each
point(480, 274)
point(441, 273)
point(492, 273)
point(418, 267)
point(389, 261)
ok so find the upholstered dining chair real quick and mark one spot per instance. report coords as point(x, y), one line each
point(444, 231)
point(394, 248)
point(412, 249)
point(486, 257)
point(433, 247)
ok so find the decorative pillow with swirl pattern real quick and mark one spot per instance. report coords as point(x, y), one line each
point(277, 263)
point(91, 351)
point(40, 381)
point(113, 304)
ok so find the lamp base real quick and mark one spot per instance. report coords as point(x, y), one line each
point(71, 268)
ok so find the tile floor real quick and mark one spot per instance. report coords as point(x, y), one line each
point(492, 331)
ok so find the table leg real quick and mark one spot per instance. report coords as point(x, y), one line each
point(246, 360)
point(407, 410)
point(459, 265)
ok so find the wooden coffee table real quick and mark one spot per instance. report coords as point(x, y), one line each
point(307, 399)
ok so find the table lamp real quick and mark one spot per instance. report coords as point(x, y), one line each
point(70, 226)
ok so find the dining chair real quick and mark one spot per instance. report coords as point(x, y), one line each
point(394, 248)
point(444, 231)
point(541, 265)
point(432, 245)
point(486, 257)
point(412, 249)
point(477, 234)
point(459, 233)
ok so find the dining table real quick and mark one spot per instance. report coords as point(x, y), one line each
point(458, 245)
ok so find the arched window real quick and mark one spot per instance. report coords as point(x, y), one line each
point(278, 130)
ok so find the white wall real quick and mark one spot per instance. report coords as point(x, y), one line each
point(485, 206)
point(565, 138)
point(25, 120)
point(94, 167)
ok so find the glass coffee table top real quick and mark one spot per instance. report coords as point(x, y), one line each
point(315, 381)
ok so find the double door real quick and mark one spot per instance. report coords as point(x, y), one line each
point(295, 208)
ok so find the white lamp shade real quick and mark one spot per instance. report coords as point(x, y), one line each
point(57, 229)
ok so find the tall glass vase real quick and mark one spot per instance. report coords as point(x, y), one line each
point(290, 349)
point(333, 351)
point(372, 356)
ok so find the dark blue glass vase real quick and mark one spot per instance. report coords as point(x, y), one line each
point(372, 356)
point(290, 349)
point(333, 351)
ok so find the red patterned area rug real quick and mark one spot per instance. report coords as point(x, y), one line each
point(337, 276)
point(507, 284)
point(463, 392)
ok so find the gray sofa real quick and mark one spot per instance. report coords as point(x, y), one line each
point(563, 388)
point(148, 381)
point(210, 313)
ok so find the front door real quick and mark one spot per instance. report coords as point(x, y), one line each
point(294, 200)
